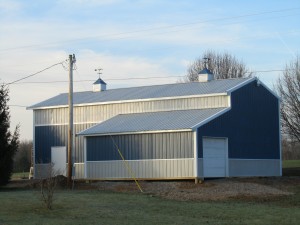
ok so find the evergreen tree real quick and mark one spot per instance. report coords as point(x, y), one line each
point(8, 142)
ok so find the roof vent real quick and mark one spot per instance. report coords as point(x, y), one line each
point(205, 75)
point(99, 85)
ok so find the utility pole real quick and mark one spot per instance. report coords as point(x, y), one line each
point(70, 130)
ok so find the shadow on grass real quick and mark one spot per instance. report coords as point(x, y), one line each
point(295, 171)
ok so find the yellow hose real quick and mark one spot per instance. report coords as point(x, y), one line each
point(127, 165)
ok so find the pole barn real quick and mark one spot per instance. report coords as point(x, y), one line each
point(210, 128)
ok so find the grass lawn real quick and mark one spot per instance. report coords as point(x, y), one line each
point(23, 206)
point(99, 207)
point(290, 163)
point(21, 175)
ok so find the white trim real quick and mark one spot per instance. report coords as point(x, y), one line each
point(195, 155)
point(252, 159)
point(249, 81)
point(135, 160)
point(229, 100)
point(33, 147)
point(62, 124)
point(266, 87)
point(85, 157)
point(227, 158)
point(280, 149)
point(132, 100)
point(88, 128)
point(135, 132)
point(241, 85)
point(211, 118)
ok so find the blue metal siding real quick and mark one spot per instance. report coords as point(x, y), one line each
point(56, 135)
point(252, 125)
point(141, 146)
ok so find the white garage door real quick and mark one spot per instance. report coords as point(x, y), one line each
point(59, 159)
point(214, 157)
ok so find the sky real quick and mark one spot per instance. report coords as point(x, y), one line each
point(136, 43)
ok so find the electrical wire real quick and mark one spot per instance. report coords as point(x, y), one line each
point(134, 78)
point(21, 106)
point(31, 75)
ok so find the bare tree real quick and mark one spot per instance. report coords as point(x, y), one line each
point(290, 149)
point(222, 65)
point(48, 186)
point(288, 88)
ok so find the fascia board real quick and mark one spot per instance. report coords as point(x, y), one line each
point(134, 132)
point(229, 91)
point(266, 87)
point(240, 85)
point(210, 118)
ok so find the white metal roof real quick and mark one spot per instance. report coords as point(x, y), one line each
point(170, 121)
point(146, 92)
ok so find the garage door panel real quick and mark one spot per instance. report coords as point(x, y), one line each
point(213, 154)
point(215, 162)
point(214, 157)
point(215, 172)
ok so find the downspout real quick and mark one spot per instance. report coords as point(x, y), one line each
point(196, 158)
point(85, 156)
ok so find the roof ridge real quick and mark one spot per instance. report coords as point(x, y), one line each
point(157, 85)
point(174, 90)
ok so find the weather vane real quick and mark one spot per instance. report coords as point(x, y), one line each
point(99, 71)
point(206, 59)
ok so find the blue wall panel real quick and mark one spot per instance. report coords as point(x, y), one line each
point(56, 135)
point(252, 125)
point(141, 146)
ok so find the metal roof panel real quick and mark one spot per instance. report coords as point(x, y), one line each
point(146, 92)
point(152, 121)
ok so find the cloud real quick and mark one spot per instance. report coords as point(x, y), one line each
point(118, 71)
point(123, 67)
point(8, 6)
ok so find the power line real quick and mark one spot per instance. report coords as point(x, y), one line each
point(130, 78)
point(153, 29)
point(135, 78)
point(21, 106)
point(31, 75)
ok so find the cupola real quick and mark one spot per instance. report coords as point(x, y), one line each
point(205, 75)
point(99, 85)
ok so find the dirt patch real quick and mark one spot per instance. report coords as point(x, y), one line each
point(213, 189)
point(216, 189)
